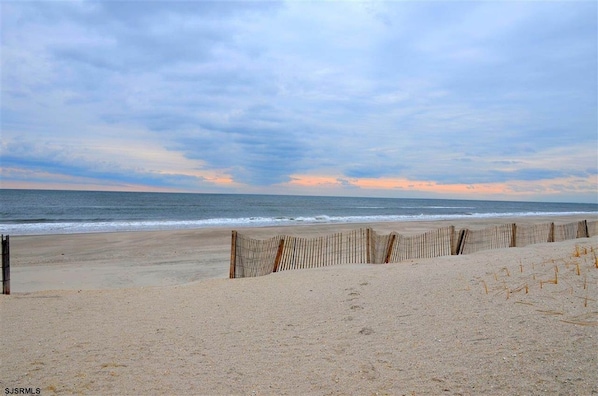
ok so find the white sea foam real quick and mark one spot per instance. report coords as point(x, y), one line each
point(112, 226)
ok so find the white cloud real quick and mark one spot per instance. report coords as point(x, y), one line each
point(438, 92)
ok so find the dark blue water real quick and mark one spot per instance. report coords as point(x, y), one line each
point(27, 212)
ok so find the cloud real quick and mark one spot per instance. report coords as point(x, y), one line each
point(62, 160)
point(249, 95)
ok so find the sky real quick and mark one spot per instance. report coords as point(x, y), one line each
point(430, 99)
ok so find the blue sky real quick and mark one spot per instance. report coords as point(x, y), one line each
point(478, 100)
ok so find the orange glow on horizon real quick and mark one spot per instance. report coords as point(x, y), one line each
point(399, 184)
point(511, 188)
point(210, 181)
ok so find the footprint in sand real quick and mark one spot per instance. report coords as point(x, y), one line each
point(366, 331)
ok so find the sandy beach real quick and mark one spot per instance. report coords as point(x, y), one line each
point(154, 313)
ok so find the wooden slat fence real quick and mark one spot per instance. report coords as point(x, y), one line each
point(532, 234)
point(430, 244)
point(253, 257)
point(550, 232)
point(582, 229)
point(564, 232)
point(380, 245)
point(496, 237)
point(340, 248)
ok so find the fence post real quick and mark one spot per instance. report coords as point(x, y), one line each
point(233, 255)
point(454, 241)
point(5, 265)
point(551, 235)
point(461, 243)
point(582, 229)
point(390, 246)
point(368, 242)
point(585, 222)
point(514, 235)
point(278, 254)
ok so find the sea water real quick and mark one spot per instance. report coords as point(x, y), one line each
point(32, 212)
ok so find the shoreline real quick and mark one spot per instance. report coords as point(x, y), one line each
point(296, 223)
point(111, 260)
point(167, 226)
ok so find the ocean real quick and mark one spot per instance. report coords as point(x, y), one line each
point(34, 212)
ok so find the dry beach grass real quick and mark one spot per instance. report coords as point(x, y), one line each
point(507, 321)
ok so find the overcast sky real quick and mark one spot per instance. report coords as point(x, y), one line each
point(476, 100)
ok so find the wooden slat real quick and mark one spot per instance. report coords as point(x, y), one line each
point(393, 237)
point(233, 254)
point(5, 264)
point(278, 255)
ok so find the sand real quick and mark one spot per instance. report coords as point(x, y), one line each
point(153, 313)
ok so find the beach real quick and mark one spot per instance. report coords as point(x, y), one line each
point(154, 313)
